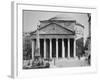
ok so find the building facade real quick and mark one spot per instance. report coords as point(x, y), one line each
point(55, 39)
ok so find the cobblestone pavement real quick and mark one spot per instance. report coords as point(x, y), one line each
point(68, 63)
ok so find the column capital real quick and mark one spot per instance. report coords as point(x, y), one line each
point(50, 38)
point(68, 38)
point(56, 39)
point(45, 38)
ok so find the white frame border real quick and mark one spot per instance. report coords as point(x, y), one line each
point(16, 56)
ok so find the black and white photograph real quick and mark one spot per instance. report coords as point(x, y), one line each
point(54, 39)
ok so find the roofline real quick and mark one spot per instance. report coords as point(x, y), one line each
point(52, 23)
point(80, 25)
point(58, 20)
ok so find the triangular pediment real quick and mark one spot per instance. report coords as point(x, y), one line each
point(54, 28)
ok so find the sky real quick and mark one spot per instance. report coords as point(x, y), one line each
point(31, 19)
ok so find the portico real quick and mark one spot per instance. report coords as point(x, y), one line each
point(55, 48)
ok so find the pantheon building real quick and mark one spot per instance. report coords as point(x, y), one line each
point(56, 38)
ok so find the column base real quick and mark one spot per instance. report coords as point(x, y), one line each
point(75, 57)
point(68, 57)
